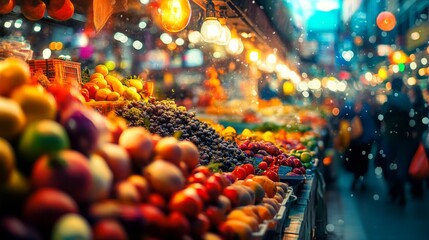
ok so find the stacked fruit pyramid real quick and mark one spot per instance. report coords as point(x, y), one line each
point(67, 172)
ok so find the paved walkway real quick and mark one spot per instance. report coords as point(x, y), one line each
point(368, 214)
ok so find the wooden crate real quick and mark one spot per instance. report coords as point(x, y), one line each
point(65, 73)
point(104, 107)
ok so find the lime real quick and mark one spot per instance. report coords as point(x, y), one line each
point(306, 157)
point(307, 165)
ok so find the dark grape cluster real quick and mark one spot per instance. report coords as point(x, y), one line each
point(167, 119)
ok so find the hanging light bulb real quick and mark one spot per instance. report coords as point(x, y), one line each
point(211, 29)
point(235, 45)
point(175, 14)
point(226, 33)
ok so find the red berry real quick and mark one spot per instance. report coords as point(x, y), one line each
point(263, 165)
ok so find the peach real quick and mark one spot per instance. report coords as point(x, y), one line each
point(190, 154)
point(164, 177)
point(168, 149)
point(117, 159)
point(141, 184)
point(235, 230)
point(138, 143)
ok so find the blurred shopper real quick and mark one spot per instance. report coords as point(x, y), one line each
point(418, 113)
point(397, 136)
point(356, 156)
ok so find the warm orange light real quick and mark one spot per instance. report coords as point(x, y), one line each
point(335, 111)
point(175, 14)
point(327, 161)
point(398, 57)
point(386, 21)
point(254, 55)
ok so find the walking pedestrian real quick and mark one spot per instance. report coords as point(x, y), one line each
point(397, 135)
point(419, 115)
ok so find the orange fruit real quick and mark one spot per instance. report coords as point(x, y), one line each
point(7, 161)
point(111, 78)
point(102, 69)
point(100, 82)
point(96, 75)
point(36, 103)
point(113, 96)
point(101, 94)
point(117, 86)
point(12, 118)
point(13, 73)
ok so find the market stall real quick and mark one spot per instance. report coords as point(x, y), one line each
point(91, 151)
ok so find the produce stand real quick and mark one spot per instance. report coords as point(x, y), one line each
point(111, 153)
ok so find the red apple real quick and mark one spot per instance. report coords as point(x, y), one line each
point(154, 219)
point(158, 201)
point(178, 225)
point(239, 172)
point(233, 195)
point(199, 226)
point(214, 188)
point(45, 206)
point(198, 177)
point(216, 216)
point(67, 170)
point(187, 202)
point(108, 229)
point(249, 168)
point(201, 191)
point(263, 165)
point(272, 175)
point(203, 169)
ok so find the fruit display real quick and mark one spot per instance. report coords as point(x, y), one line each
point(103, 86)
point(167, 119)
point(71, 172)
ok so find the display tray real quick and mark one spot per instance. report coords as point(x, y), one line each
point(293, 180)
point(261, 234)
point(276, 225)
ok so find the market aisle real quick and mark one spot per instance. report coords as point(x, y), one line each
point(368, 214)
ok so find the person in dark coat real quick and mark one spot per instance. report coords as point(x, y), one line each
point(357, 154)
point(396, 133)
point(419, 116)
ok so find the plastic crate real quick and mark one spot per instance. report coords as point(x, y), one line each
point(64, 73)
